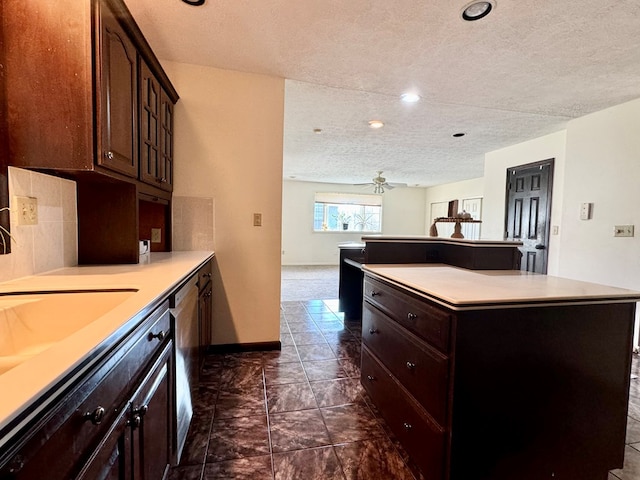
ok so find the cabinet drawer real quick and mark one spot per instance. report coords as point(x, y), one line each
point(423, 440)
point(421, 369)
point(68, 435)
point(426, 321)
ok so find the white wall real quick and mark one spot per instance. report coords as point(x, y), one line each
point(50, 244)
point(495, 178)
point(402, 214)
point(228, 148)
point(603, 167)
point(451, 191)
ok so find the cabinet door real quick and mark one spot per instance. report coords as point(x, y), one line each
point(118, 86)
point(166, 142)
point(112, 458)
point(205, 313)
point(150, 155)
point(150, 420)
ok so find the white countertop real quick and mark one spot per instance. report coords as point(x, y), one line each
point(461, 289)
point(24, 383)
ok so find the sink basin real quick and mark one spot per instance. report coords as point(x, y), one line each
point(31, 323)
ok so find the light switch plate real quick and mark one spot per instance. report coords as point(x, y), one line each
point(585, 211)
point(257, 219)
point(623, 231)
point(156, 235)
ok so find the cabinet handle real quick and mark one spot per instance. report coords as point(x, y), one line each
point(371, 378)
point(160, 335)
point(374, 293)
point(161, 180)
point(411, 316)
point(16, 464)
point(137, 413)
point(208, 275)
point(109, 155)
point(407, 426)
point(373, 331)
point(96, 416)
point(411, 365)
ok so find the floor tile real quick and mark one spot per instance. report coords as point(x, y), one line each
point(289, 397)
point(307, 338)
point(205, 398)
point(243, 378)
point(238, 438)
point(324, 370)
point(296, 327)
point(347, 349)
point(197, 442)
point(351, 366)
point(633, 431)
point(308, 464)
point(189, 472)
point(369, 459)
point(251, 468)
point(342, 391)
point(336, 337)
point(278, 374)
point(350, 423)
point(297, 430)
point(234, 404)
point(287, 354)
point(285, 337)
point(315, 352)
point(330, 326)
point(631, 470)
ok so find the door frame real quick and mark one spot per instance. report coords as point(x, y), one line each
point(551, 163)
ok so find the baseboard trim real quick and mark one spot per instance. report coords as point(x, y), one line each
point(244, 347)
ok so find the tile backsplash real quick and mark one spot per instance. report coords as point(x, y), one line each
point(193, 223)
point(52, 242)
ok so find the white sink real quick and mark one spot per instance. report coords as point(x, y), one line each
point(31, 323)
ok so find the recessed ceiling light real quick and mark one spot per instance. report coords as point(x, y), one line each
point(476, 10)
point(410, 97)
point(460, 134)
point(376, 124)
point(317, 131)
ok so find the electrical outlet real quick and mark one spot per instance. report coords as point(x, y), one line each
point(27, 210)
point(156, 235)
point(257, 219)
point(623, 231)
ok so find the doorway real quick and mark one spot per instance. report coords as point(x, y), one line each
point(528, 212)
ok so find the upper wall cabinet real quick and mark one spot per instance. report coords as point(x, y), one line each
point(85, 92)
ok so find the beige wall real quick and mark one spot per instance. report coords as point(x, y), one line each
point(50, 244)
point(228, 148)
point(402, 214)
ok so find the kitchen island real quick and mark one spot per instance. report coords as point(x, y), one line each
point(79, 403)
point(499, 374)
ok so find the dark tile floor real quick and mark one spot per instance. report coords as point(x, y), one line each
point(295, 414)
point(301, 414)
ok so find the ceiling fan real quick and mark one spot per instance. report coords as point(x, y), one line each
point(380, 183)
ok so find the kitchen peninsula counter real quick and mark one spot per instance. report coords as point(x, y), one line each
point(499, 374)
point(56, 366)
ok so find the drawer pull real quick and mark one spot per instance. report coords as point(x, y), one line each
point(374, 293)
point(411, 365)
point(411, 316)
point(407, 426)
point(109, 155)
point(371, 378)
point(96, 416)
point(373, 331)
point(160, 335)
point(136, 419)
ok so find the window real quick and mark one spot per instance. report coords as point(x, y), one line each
point(351, 212)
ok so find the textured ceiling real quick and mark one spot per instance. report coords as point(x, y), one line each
point(521, 72)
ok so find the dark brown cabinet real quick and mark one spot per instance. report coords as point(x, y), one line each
point(90, 102)
point(156, 131)
point(499, 391)
point(205, 310)
point(118, 101)
point(113, 422)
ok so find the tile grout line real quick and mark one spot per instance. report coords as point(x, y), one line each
point(266, 407)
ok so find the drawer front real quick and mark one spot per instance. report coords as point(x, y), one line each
point(421, 369)
point(426, 321)
point(68, 436)
point(423, 440)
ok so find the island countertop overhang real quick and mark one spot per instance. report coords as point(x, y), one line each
point(464, 289)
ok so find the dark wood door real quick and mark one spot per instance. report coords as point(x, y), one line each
point(119, 97)
point(529, 212)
